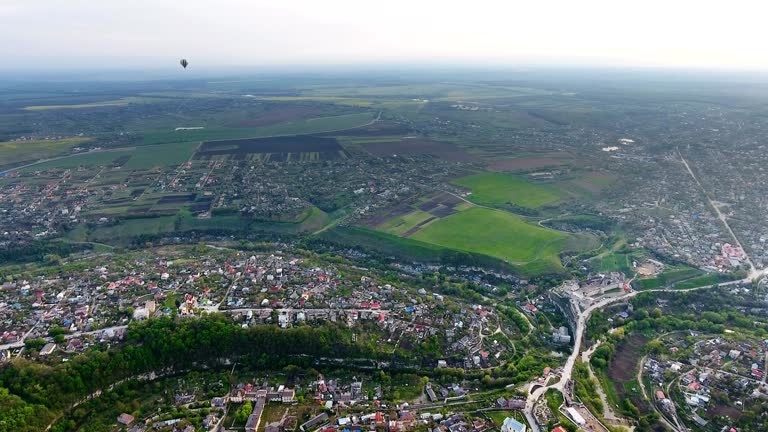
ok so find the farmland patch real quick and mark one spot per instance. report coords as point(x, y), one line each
point(626, 360)
point(176, 199)
point(278, 148)
point(495, 233)
point(521, 164)
point(420, 146)
point(495, 189)
point(280, 114)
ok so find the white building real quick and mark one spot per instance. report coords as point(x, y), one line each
point(575, 416)
point(512, 425)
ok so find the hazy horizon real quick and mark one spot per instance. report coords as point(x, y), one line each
point(82, 34)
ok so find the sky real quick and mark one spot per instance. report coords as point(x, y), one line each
point(72, 34)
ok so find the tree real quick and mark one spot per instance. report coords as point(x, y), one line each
point(654, 347)
point(53, 259)
point(244, 412)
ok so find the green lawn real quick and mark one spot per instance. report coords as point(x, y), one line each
point(498, 417)
point(496, 188)
point(495, 233)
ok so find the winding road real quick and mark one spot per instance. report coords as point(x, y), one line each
point(581, 323)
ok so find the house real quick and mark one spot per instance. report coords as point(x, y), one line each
point(253, 423)
point(125, 419)
point(314, 421)
point(512, 425)
point(48, 349)
point(287, 395)
point(210, 421)
point(431, 394)
point(74, 345)
point(558, 429)
point(575, 416)
point(561, 336)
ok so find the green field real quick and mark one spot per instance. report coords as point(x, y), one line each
point(111, 103)
point(495, 233)
point(668, 277)
point(311, 220)
point(298, 127)
point(496, 189)
point(438, 91)
point(704, 280)
point(400, 225)
point(161, 155)
point(15, 152)
point(141, 157)
point(84, 159)
point(620, 262)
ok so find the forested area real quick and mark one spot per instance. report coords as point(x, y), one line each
point(37, 251)
point(31, 394)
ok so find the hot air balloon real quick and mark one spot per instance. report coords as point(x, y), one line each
point(184, 63)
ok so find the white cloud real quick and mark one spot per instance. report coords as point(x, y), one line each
point(252, 32)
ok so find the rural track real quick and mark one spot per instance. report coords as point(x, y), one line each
point(662, 417)
point(41, 161)
point(753, 272)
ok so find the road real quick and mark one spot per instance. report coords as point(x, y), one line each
point(583, 318)
point(753, 272)
point(65, 157)
point(662, 417)
point(581, 324)
point(609, 415)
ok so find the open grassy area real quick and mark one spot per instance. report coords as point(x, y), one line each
point(495, 189)
point(117, 102)
point(432, 91)
point(669, 276)
point(84, 159)
point(384, 242)
point(704, 280)
point(15, 152)
point(498, 416)
point(329, 99)
point(128, 229)
point(298, 127)
point(141, 157)
point(161, 155)
point(615, 261)
point(494, 233)
point(400, 225)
